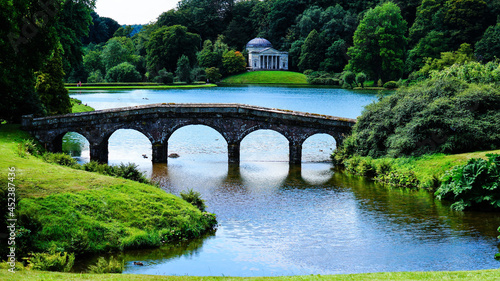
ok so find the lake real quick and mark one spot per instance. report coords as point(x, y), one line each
point(277, 219)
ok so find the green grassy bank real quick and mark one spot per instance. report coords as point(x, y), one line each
point(267, 77)
point(140, 87)
point(77, 106)
point(422, 172)
point(483, 275)
point(83, 212)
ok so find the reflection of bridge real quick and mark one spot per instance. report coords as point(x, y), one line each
point(159, 121)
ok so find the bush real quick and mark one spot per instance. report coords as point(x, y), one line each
point(213, 74)
point(349, 78)
point(443, 115)
point(103, 266)
point(60, 159)
point(28, 147)
point(130, 171)
point(475, 185)
point(51, 261)
point(361, 79)
point(164, 77)
point(194, 198)
point(103, 169)
point(391, 85)
point(124, 72)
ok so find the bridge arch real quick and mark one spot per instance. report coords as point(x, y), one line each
point(270, 150)
point(56, 143)
point(196, 138)
point(318, 147)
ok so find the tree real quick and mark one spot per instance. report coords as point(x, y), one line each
point(312, 52)
point(116, 51)
point(213, 74)
point(124, 72)
point(183, 71)
point(50, 86)
point(282, 16)
point(488, 48)
point(233, 62)
point(240, 29)
point(207, 57)
point(101, 29)
point(92, 62)
point(168, 44)
point(379, 43)
point(335, 57)
point(349, 78)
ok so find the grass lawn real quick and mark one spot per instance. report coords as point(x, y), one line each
point(87, 212)
point(140, 87)
point(77, 106)
point(483, 275)
point(267, 77)
point(428, 167)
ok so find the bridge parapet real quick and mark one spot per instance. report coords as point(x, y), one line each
point(159, 121)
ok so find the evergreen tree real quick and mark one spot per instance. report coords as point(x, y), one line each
point(183, 71)
point(488, 48)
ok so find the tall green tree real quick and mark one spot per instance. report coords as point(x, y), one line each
point(312, 53)
point(488, 48)
point(101, 29)
point(183, 71)
point(168, 44)
point(240, 29)
point(117, 51)
point(379, 43)
point(50, 86)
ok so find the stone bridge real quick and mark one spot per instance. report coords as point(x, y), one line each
point(159, 121)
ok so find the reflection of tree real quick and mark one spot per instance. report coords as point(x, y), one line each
point(415, 211)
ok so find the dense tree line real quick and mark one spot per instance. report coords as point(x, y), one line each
point(375, 39)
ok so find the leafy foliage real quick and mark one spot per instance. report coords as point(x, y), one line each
point(183, 71)
point(488, 48)
point(50, 87)
point(438, 115)
point(124, 72)
point(194, 198)
point(103, 266)
point(379, 43)
point(233, 62)
point(475, 185)
point(51, 261)
point(168, 44)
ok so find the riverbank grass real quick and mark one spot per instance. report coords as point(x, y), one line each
point(267, 77)
point(77, 106)
point(85, 212)
point(422, 172)
point(140, 87)
point(481, 275)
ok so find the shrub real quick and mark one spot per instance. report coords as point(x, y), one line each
point(51, 261)
point(349, 78)
point(194, 198)
point(365, 168)
point(361, 79)
point(213, 74)
point(391, 85)
point(94, 166)
point(443, 115)
point(103, 266)
point(164, 77)
point(28, 147)
point(383, 167)
point(130, 171)
point(124, 72)
point(475, 185)
point(60, 159)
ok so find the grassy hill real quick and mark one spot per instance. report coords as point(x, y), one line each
point(267, 77)
point(85, 212)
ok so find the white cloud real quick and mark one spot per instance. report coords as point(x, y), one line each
point(134, 11)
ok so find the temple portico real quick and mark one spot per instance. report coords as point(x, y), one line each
point(261, 56)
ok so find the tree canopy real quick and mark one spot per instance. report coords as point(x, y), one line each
point(379, 43)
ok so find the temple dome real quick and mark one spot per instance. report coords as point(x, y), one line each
point(258, 43)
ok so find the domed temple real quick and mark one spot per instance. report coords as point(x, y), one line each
point(262, 56)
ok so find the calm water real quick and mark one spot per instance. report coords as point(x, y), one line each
point(280, 220)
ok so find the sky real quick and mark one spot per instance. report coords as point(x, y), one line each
point(133, 11)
